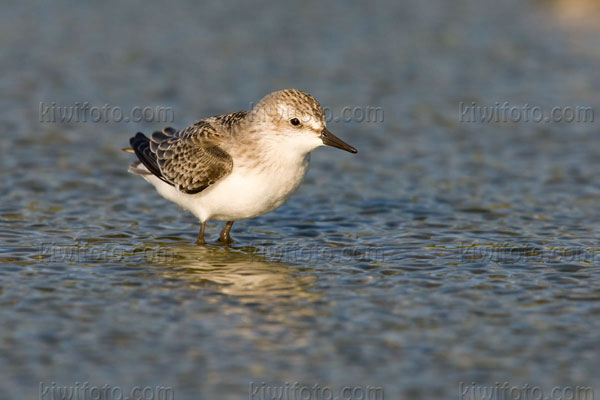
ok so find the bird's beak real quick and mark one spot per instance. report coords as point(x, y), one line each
point(329, 139)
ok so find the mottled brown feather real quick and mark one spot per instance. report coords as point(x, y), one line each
point(191, 159)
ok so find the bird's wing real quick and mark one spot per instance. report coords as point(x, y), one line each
point(190, 159)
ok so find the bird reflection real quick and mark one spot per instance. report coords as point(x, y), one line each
point(243, 273)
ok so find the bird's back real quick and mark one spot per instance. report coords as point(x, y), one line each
point(191, 159)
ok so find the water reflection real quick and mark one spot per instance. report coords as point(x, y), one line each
point(245, 274)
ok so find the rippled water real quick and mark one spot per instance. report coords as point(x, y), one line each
point(444, 252)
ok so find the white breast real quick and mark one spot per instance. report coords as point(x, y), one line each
point(248, 193)
point(245, 193)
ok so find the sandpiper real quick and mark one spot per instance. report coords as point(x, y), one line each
point(239, 165)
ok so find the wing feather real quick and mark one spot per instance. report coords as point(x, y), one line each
point(190, 159)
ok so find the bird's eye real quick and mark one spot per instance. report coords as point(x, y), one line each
point(295, 121)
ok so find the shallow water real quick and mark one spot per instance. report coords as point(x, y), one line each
point(444, 253)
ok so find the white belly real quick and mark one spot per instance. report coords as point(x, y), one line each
point(245, 193)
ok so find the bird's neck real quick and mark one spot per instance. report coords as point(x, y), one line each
point(267, 151)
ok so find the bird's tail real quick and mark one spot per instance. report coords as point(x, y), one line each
point(140, 144)
point(138, 168)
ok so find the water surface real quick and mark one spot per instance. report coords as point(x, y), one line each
point(444, 252)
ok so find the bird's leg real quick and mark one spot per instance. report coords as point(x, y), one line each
point(200, 240)
point(224, 237)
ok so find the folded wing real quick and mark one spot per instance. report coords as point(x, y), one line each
point(190, 159)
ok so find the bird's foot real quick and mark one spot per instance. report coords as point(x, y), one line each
point(226, 239)
point(201, 241)
point(225, 236)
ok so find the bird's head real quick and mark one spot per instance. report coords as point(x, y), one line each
point(295, 120)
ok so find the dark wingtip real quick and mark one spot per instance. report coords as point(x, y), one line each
point(137, 138)
point(141, 146)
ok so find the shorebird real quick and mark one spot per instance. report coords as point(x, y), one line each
point(239, 165)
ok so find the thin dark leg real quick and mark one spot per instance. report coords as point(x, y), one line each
point(225, 237)
point(201, 234)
